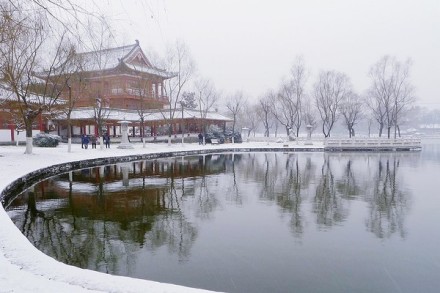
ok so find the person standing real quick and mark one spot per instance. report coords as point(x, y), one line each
point(107, 140)
point(200, 138)
point(82, 140)
point(86, 142)
point(93, 141)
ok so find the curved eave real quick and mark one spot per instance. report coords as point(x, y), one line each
point(152, 71)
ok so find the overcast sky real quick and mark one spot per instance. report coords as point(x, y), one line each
point(250, 45)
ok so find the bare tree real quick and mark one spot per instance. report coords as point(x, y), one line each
point(377, 110)
point(264, 111)
point(75, 81)
point(179, 62)
point(287, 107)
point(351, 110)
point(330, 89)
point(235, 105)
point(141, 91)
point(100, 38)
point(250, 118)
point(284, 108)
point(298, 79)
point(59, 12)
point(207, 97)
point(391, 92)
point(310, 115)
point(188, 101)
point(27, 48)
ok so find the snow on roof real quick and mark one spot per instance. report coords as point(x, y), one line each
point(133, 115)
point(131, 55)
point(106, 58)
point(8, 95)
point(151, 70)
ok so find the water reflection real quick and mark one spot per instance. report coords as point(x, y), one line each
point(388, 202)
point(95, 218)
point(106, 218)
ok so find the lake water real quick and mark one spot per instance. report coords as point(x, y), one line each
point(249, 222)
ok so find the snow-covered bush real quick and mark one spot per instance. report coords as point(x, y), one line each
point(46, 140)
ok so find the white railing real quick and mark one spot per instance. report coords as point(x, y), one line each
point(374, 143)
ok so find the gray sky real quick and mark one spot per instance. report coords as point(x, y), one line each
point(250, 45)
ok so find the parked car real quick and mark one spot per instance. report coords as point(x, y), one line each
point(214, 135)
point(46, 140)
point(237, 136)
point(223, 137)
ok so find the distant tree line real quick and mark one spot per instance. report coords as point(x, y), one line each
point(331, 99)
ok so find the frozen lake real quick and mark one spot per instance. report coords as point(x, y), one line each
point(249, 222)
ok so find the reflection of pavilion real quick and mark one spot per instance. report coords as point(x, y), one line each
point(123, 189)
point(106, 208)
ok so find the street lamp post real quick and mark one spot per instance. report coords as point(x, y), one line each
point(182, 123)
point(69, 127)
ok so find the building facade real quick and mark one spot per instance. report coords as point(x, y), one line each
point(111, 85)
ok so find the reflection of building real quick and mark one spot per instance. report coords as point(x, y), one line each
point(121, 84)
point(123, 192)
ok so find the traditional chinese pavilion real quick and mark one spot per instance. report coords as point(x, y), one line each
point(119, 84)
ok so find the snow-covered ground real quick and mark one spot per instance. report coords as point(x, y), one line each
point(23, 268)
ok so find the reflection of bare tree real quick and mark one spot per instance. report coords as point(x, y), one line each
point(347, 186)
point(269, 182)
point(327, 205)
point(233, 193)
point(283, 181)
point(53, 237)
point(291, 198)
point(388, 203)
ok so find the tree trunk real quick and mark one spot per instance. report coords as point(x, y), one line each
point(29, 139)
point(69, 134)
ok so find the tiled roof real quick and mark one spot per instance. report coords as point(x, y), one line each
point(111, 58)
point(106, 58)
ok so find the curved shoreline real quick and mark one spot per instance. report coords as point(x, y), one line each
point(26, 269)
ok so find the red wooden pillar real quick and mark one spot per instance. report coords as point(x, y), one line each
point(96, 129)
point(40, 122)
point(153, 129)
